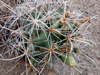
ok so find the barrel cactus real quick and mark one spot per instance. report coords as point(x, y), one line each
point(42, 32)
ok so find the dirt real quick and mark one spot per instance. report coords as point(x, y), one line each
point(90, 8)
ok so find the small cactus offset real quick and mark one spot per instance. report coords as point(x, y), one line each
point(43, 33)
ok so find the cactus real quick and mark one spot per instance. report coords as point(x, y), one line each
point(70, 61)
point(43, 32)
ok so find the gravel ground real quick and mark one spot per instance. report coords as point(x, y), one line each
point(90, 8)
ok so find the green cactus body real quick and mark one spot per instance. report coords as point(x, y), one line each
point(70, 61)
